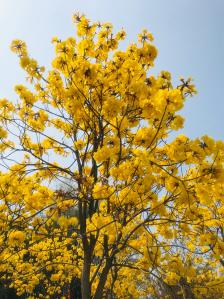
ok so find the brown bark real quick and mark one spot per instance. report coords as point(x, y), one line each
point(85, 279)
point(103, 279)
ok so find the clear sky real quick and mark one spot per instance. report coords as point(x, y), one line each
point(188, 34)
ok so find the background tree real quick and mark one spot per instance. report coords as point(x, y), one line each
point(146, 208)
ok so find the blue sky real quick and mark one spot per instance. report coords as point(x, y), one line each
point(188, 34)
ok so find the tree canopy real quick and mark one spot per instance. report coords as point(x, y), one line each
point(94, 187)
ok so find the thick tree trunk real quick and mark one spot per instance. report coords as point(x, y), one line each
point(85, 279)
point(103, 279)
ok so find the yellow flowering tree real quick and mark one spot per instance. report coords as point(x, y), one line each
point(138, 212)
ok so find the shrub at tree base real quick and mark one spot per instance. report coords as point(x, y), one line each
point(138, 214)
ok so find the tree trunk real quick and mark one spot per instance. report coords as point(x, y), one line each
point(85, 279)
point(103, 279)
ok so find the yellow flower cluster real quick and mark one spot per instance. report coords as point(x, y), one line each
point(94, 189)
